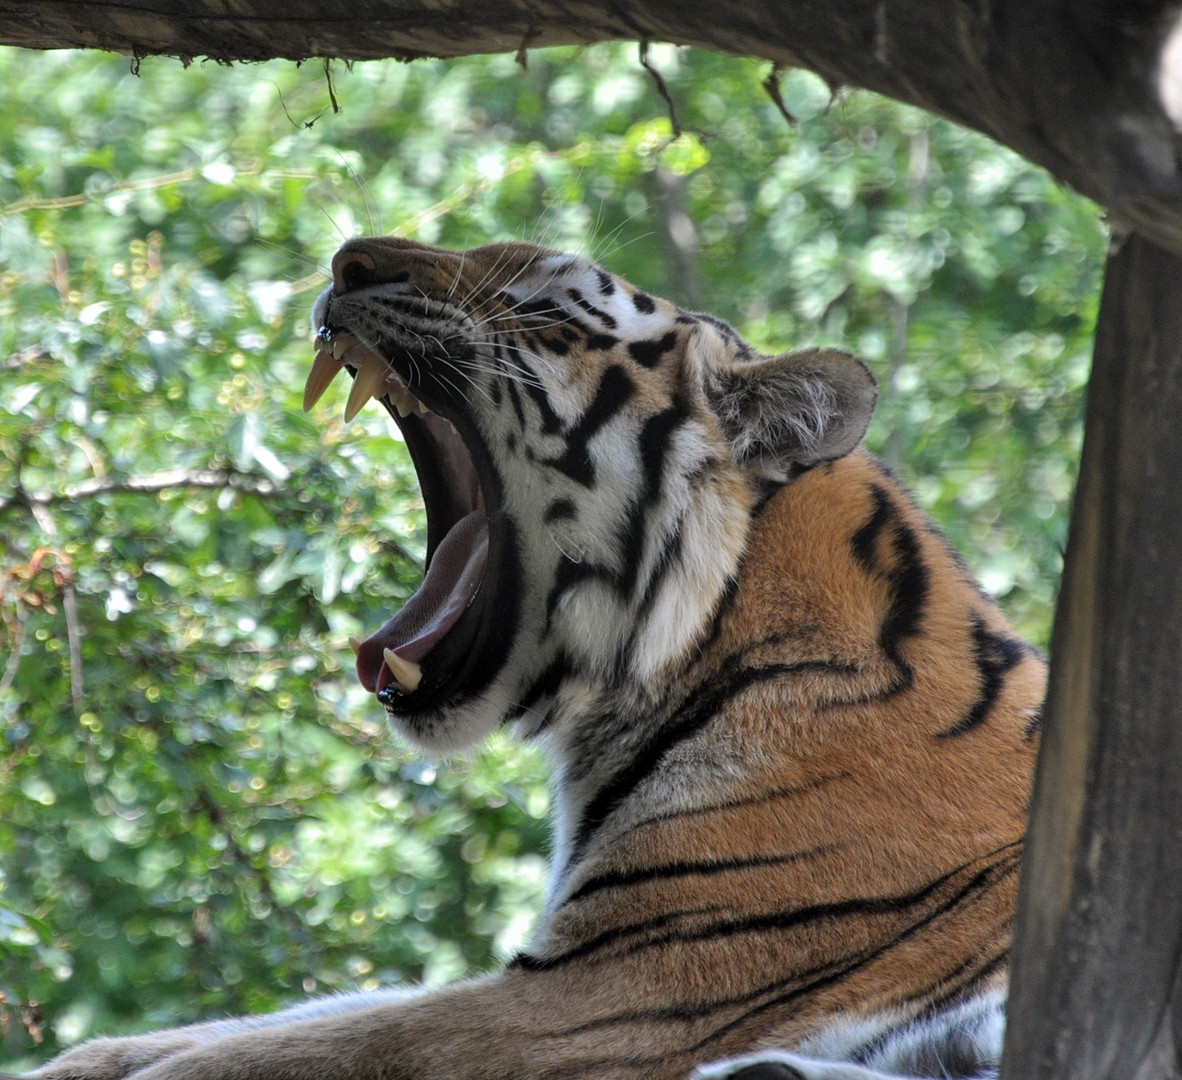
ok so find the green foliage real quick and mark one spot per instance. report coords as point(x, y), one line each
point(200, 811)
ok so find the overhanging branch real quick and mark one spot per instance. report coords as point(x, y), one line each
point(1091, 90)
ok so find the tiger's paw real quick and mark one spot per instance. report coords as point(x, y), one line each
point(113, 1059)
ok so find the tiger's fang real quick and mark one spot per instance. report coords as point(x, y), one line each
point(406, 673)
point(324, 370)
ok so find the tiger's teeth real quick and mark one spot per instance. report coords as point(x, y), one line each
point(406, 673)
point(404, 403)
point(339, 348)
point(324, 370)
point(370, 380)
point(422, 408)
point(355, 644)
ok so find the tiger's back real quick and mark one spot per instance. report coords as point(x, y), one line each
point(792, 740)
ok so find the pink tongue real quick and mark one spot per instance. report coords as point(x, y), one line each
point(456, 570)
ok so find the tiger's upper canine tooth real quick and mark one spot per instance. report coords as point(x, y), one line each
point(406, 673)
point(370, 380)
point(324, 370)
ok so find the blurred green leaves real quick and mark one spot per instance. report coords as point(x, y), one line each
point(200, 811)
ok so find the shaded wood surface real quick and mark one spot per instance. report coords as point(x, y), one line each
point(1076, 87)
point(1098, 956)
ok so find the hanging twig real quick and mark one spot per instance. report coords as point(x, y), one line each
point(70, 608)
point(332, 94)
point(662, 89)
point(771, 86)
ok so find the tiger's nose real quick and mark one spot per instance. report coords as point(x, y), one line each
point(352, 270)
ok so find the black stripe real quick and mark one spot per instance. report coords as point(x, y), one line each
point(648, 353)
point(643, 303)
point(982, 881)
point(995, 656)
point(670, 553)
point(551, 423)
point(771, 795)
point(706, 704)
point(544, 308)
point(907, 577)
point(559, 510)
point(555, 343)
point(568, 574)
point(729, 594)
point(591, 309)
point(655, 934)
point(626, 878)
point(615, 390)
point(653, 446)
point(515, 401)
point(865, 539)
point(547, 683)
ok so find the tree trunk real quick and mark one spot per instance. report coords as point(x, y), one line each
point(1090, 89)
point(1097, 975)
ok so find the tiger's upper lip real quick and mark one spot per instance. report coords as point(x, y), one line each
point(422, 654)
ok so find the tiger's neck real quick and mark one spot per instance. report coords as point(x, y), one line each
point(844, 702)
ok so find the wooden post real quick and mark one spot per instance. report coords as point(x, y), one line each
point(1097, 981)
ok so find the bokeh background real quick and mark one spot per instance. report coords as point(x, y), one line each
point(201, 812)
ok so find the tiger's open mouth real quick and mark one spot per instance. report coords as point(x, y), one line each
point(428, 651)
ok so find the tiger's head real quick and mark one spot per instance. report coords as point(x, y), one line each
point(589, 457)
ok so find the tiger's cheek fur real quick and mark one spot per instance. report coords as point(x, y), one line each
point(630, 542)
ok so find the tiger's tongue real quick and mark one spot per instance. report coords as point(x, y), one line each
point(452, 579)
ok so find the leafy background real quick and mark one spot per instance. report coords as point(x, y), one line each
point(200, 811)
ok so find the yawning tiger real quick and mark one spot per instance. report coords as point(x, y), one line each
point(791, 739)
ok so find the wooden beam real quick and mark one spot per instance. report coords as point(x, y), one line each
point(1098, 956)
point(1090, 89)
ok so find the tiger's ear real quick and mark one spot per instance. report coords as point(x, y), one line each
point(800, 408)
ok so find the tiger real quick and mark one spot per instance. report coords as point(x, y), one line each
point(791, 739)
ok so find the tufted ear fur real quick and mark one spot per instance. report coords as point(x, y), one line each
point(800, 408)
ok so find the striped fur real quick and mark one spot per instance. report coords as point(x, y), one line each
point(792, 740)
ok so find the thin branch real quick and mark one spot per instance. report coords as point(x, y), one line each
point(173, 479)
point(14, 655)
point(332, 93)
point(662, 88)
point(147, 183)
point(70, 607)
point(771, 86)
point(145, 485)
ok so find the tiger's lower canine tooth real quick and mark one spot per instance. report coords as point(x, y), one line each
point(406, 673)
point(370, 380)
point(324, 370)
